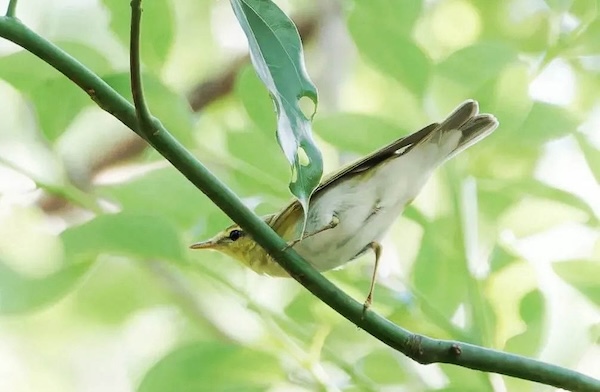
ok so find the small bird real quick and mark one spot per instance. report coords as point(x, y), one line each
point(353, 208)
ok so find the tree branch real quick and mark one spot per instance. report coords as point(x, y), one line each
point(420, 348)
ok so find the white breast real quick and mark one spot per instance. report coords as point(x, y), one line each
point(365, 210)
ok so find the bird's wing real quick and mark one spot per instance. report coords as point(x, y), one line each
point(397, 147)
point(455, 120)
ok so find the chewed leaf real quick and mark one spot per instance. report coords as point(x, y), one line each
point(276, 53)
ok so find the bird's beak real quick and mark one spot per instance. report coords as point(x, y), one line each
point(209, 244)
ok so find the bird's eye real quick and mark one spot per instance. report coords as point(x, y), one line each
point(235, 234)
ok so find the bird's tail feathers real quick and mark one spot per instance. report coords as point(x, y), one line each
point(461, 129)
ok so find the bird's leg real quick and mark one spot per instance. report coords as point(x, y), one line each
point(376, 246)
point(333, 223)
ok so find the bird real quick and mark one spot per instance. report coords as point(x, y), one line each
point(353, 208)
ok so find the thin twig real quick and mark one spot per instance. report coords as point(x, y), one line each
point(11, 11)
point(144, 118)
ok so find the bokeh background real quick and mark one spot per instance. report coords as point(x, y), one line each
point(98, 290)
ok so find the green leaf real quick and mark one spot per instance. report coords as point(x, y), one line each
point(171, 108)
point(546, 122)
point(133, 287)
point(256, 100)
point(24, 71)
point(212, 366)
point(542, 190)
point(19, 293)
point(512, 103)
point(383, 367)
point(397, 16)
point(583, 275)
point(461, 379)
point(381, 31)
point(355, 132)
point(157, 29)
point(440, 273)
point(532, 311)
point(276, 53)
point(43, 85)
point(154, 192)
point(591, 154)
point(476, 65)
point(135, 235)
point(262, 162)
point(584, 10)
point(559, 5)
point(583, 40)
point(497, 196)
point(501, 258)
point(54, 115)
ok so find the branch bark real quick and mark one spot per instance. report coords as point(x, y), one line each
point(422, 349)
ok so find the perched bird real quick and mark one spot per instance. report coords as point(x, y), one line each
point(354, 207)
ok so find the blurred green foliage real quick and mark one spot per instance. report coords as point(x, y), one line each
point(495, 251)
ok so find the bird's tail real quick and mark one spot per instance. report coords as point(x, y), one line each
point(461, 129)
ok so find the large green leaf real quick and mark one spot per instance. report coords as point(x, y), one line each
point(132, 287)
point(397, 16)
point(256, 100)
point(56, 99)
point(381, 30)
point(356, 132)
point(546, 122)
point(276, 53)
point(461, 379)
point(476, 65)
point(586, 43)
point(157, 29)
point(261, 162)
point(542, 190)
point(135, 235)
point(24, 71)
point(212, 366)
point(583, 275)
point(19, 293)
point(496, 196)
point(383, 367)
point(154, 194)
point(559, 5)
point(440, 272)
point(54, 115)
point(533, 312)
point(512, 103)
